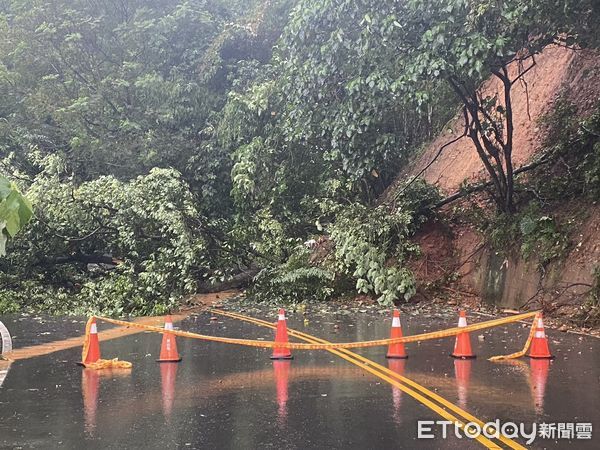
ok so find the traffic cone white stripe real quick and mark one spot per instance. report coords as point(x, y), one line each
point(396, 322)
point(540, 334)
point(93, 329)
point(281, 317)
point(462, 322)
point(168, 325)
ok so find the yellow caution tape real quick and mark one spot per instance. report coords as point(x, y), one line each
point(525, 348)
point(300, 346)
point(340, 350)
point(414, 389)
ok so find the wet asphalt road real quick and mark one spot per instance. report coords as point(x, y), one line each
point(223, 396)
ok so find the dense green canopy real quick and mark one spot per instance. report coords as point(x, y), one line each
point(171, 145)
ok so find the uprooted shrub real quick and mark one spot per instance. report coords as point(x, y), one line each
point(294, 281)
point(368, 250)
point(106, 245)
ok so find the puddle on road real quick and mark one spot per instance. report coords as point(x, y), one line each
point(223, 396)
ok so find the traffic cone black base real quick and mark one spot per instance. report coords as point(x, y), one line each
point(463, 357)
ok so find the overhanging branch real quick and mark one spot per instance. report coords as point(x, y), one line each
point(81, 258)
point(482, 186)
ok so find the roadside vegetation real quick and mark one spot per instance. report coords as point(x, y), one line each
point(175, 147)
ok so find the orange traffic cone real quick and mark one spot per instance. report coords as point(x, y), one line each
point(93, 353)
point(281, 336)
point(396, 350)
point(539, 345)
point(539, 376)
point(462, 373)
point(462, 346)
point(168, 348)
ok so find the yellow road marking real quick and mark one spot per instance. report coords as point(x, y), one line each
point(388, 375)
point(366, 364)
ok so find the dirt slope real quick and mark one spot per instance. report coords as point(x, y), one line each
point(513, 282)
point(459, 161)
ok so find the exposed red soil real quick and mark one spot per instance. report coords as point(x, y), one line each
point(437, 253)
point(460, 162)
point(558, 71)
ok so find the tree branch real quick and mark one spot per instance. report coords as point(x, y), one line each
point(81, 258)
point(482, 186)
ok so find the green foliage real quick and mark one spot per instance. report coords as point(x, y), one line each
point(297, 280)
point(538, 234)
point(145, 227)
point(365, 239)
point(340, 62)
point(541, 229)
point(172, 144)
point(116, 89)
point(361, 79)
point(15, 212)
point(366, 250)
point(276, 185)
point(575, 144)
point(372, 244)
point(465, 42)
point(541, 237)
point(110, 116)
point(7, 305)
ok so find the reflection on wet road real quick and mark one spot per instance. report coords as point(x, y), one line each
point(224, 396)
